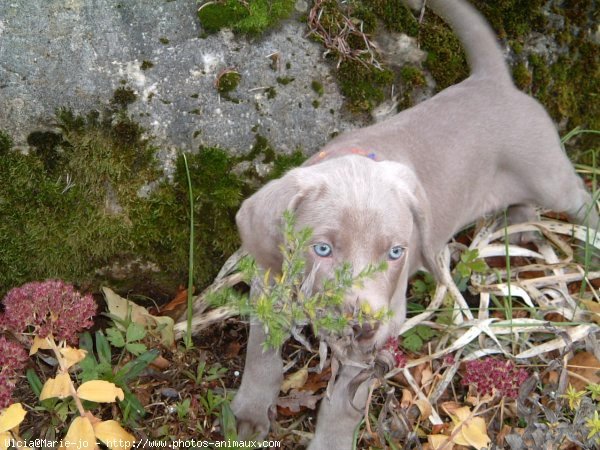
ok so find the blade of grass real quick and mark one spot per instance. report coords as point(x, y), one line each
point(190, 303)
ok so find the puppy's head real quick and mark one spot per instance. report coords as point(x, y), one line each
point(361, 212)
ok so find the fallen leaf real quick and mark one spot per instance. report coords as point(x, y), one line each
point(424, 407)
point(72, 355)
point(474, 433)
point(112, 434)
point(11, 417)
point(161, 363)
point(297, 400)
point(124, 309)
point(594, 308)
point(127, 310)
point(233, 349)
point(407, 399)
point(586, 366)
point(100, 391)
point(179, 301)
point(437, 441)
point(59, 387)
point(40, 343)
point(468, 430)
point(82, 433)
point(6, 440)
point(317, 380)
point(295, 380)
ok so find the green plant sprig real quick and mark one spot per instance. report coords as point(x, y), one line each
point(285, 301)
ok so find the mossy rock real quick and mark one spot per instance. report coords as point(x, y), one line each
point(84, 212)
point(253, 17)
point(363, 86)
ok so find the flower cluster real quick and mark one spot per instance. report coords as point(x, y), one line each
point(492, 375)
point(13, 358)
point(399, 357)
point(48, 307)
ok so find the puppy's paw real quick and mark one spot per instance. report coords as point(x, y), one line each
point(253, 421)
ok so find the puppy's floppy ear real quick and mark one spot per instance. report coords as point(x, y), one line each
point(411, 189)
point(422, 214)
point(260, 219)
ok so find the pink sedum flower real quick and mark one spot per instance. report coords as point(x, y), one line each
point(48, 307)
point(491, 375)
point(399, 357)
point(13, 358)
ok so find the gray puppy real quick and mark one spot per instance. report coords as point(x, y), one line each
point(398, 191)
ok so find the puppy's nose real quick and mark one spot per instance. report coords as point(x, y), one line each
point(365, 331)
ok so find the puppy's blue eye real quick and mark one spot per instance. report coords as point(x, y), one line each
point(395, 253)
point(323, 250)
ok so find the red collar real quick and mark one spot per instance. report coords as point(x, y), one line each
point(323, 155)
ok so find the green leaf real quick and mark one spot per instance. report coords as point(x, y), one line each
point(34, 382)
point(228, 422)
point(133, 368)
point(103, 348)
point(425, 332)
point(135, 332)
point(412, 342)
point(115, 337)
point(135, 348)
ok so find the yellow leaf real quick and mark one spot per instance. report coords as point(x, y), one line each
point(5, 440)
point(40, 343)
point(124, 309)
point(437, 441)
point(57, 387)
point(113, 435)
point(11, 417)
point(468, 430)
point(100, 391)
point(474, 433)
point(295, 380)
point(460, 414)
point(80, 435)
point(424, 407)
point(72, 355)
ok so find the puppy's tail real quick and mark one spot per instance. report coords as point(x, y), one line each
point(477, 38)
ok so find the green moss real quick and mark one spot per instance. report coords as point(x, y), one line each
point(228, 81)
point(513, 18)
point(363, 86)
point(285, 80)
point(86, 213)
point(251, 17)
point(271, 92)
point(123, 96)
point(522, 77)
point(395, 16)
point(46, 146)
point(146, 65)
point(68, 218)
point(316, 104)
point(5, 143)
point(412, 76)
point(445, 59)
point(317, 86)
point(163, 40)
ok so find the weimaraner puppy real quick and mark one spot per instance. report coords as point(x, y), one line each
point(398, 191)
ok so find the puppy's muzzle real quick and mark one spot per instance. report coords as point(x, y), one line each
point(366, 331)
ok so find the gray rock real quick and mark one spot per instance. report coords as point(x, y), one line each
point(75, 53)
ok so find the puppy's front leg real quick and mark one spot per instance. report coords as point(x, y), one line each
point(261, 381)
point(340, 414)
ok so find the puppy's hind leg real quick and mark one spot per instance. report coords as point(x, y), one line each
point(257, 396)
point(521, 214)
